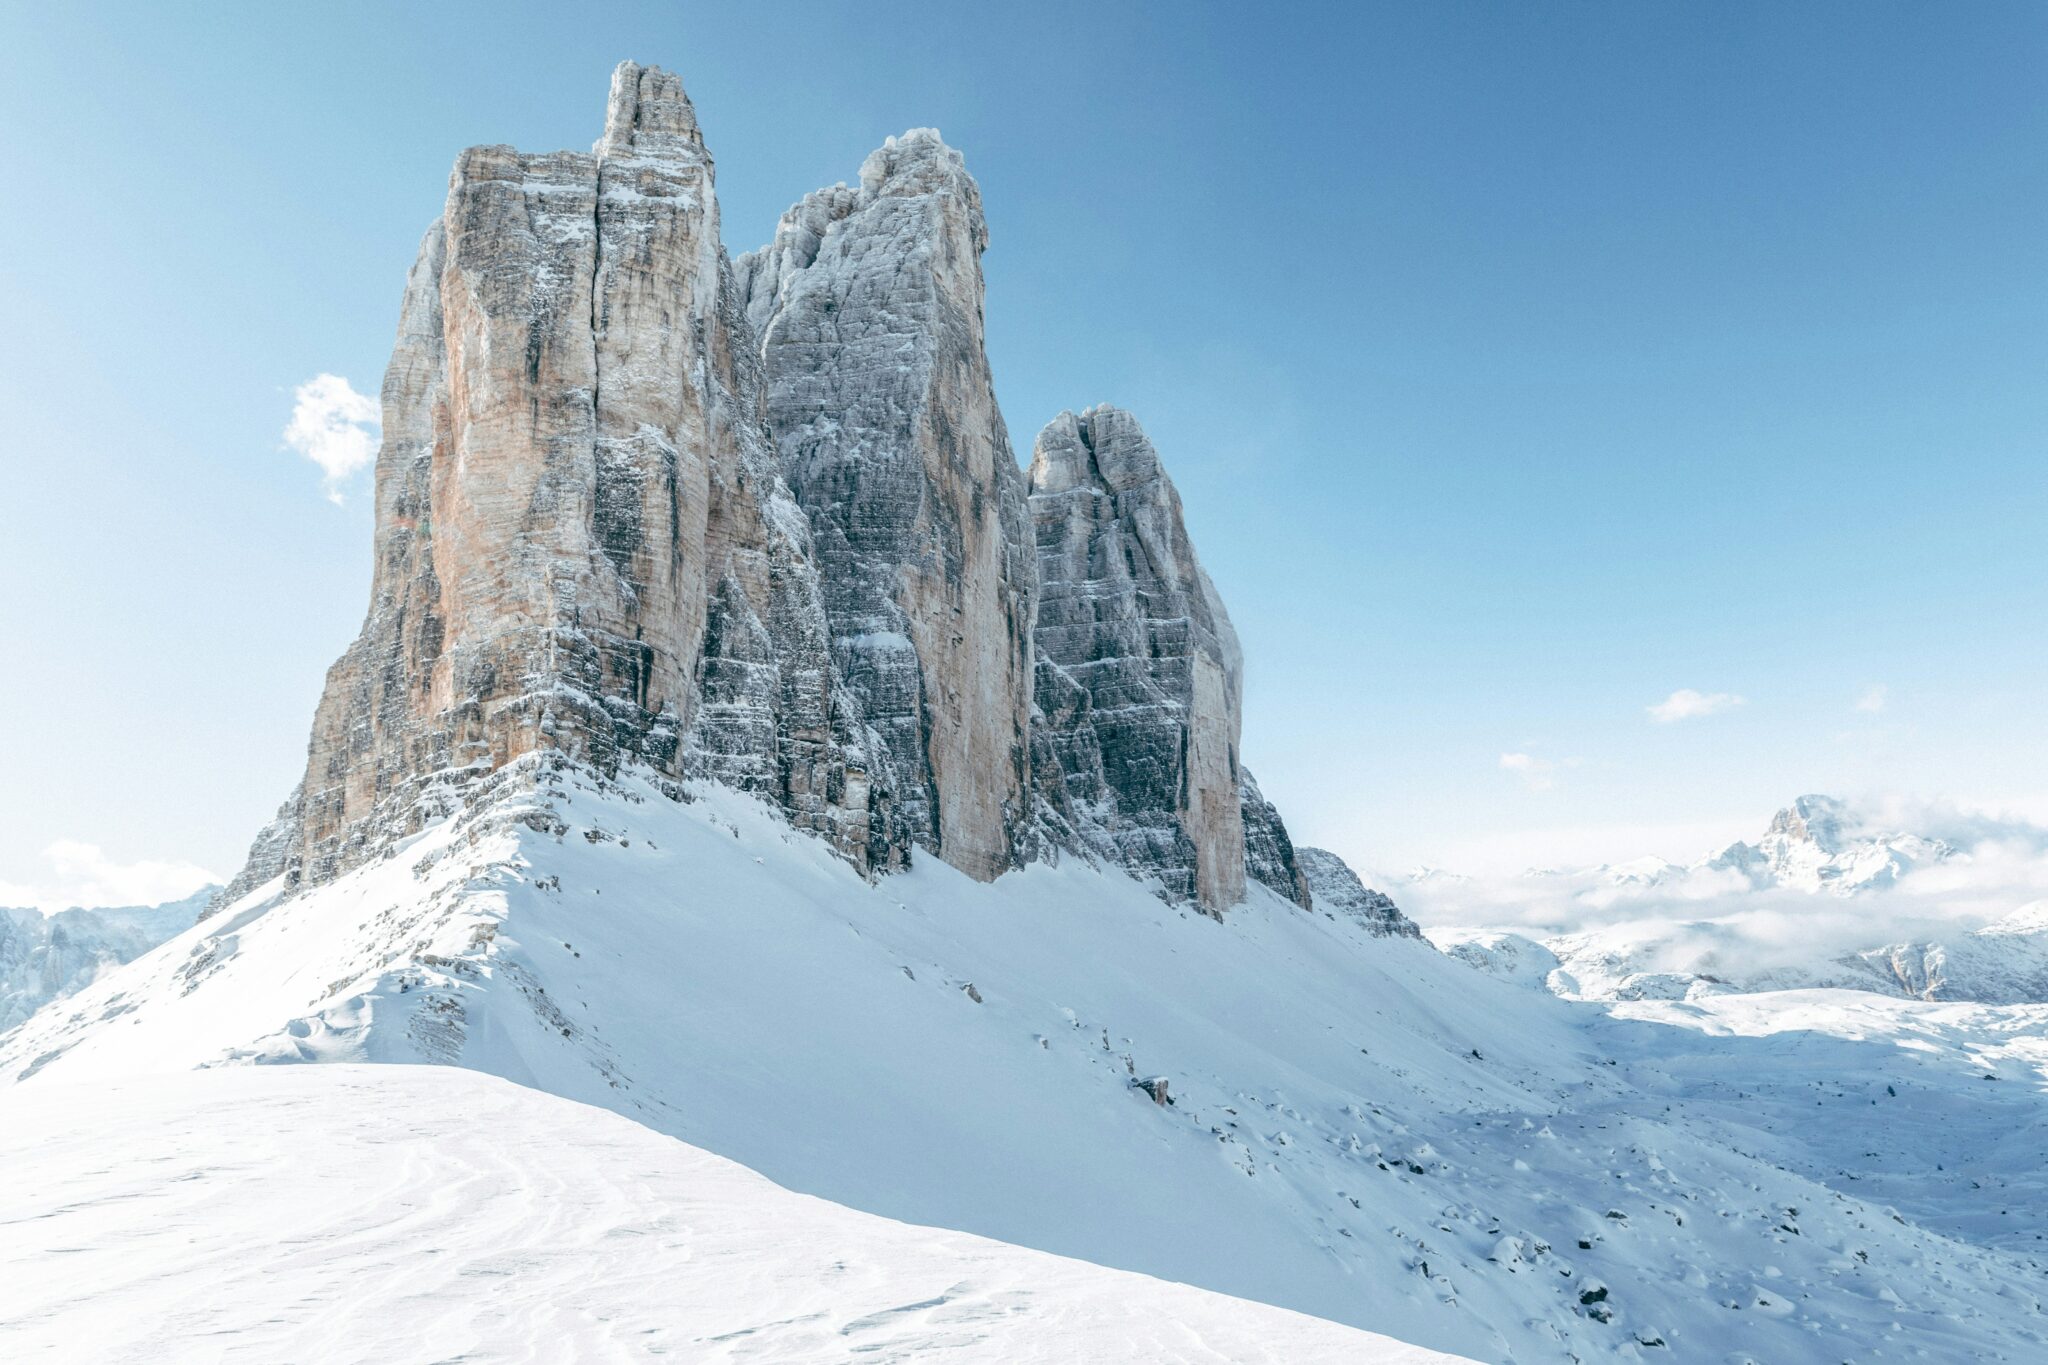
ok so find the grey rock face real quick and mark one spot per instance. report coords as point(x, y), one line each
point(582, 539)
point(1338, 890)
point(275, 853)
point(1139, 674)
point(1269, 856)
point(868, 306)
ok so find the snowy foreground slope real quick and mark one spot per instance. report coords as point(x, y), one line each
point(1361, 1129)
point(441, 1215)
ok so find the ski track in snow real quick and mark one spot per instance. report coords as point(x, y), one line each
point(1362, 1129)
point(380, 1214)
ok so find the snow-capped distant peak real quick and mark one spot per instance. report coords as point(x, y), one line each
point(1821, 843)
point(2031, 918)
point(1641, 870)
point(45, 957)
point(1822, 821)
point(1426, 873)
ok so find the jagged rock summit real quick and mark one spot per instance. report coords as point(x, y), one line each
point(1339, 891)
point(1139, 673)
point(759, 523)
point(868, 307)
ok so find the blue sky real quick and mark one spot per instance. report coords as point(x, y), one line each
point(1519, 367)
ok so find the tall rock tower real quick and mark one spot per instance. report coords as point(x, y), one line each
point(1140, 680)
point(582, 539)
point(759, 523)
point(868, 306)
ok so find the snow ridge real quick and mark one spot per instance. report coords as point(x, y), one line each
point(1358, 1127)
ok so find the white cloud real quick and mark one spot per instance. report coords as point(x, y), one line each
point(1685, 704)
point(1873, 699)
point(83, 874)
point(1537, 774)
point(1510, 852)
point(333, 426)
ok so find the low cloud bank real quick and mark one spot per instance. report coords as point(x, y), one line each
point(1696, 918)
point(82, 874)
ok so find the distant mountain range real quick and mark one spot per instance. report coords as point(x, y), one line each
point(45, 957)
point(1695, 929)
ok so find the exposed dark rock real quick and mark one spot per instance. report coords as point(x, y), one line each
point(1338, 890)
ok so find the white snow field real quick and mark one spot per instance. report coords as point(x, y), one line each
point(385, 1214)
point(1361, 1129)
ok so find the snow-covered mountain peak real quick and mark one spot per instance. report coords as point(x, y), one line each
point(1822, 843)
point(1822, 821)
point(1768, 915)
point(2031, 918)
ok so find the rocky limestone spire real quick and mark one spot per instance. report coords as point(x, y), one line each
point(760, 523)
point(648, 115)
point(1139, 674)
point(868, 306)
point(582, 540)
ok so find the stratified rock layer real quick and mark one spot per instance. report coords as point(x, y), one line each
point(868, 306)
point(1139, 674)
point(1338, 890)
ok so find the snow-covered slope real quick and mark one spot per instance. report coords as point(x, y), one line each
point(45, 957)
point(1360, 1128)
point(437, 1214)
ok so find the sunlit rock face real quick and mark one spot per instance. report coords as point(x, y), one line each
point(1140, 677)
point(868, 306)
point(759, 523)
point(581, 537)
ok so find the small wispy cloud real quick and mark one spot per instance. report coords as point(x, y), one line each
point(1872, 699)
point(1687, 704)
point(79, 873)
point(1537, 774)
point(335, 427)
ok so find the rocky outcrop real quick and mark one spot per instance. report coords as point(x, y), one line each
point(1339, 891)
point(582, 541)
point(274, 854)
point(759, 523)
point(1269, 856)
point(868, 307)
point(1139, 674)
